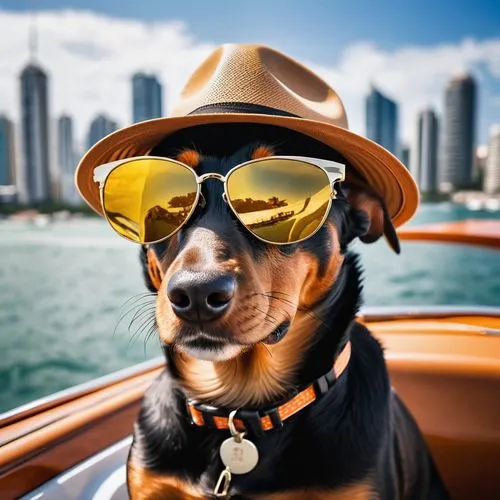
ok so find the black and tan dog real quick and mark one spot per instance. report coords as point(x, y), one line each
point(276, 320)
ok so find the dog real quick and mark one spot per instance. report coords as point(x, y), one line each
point(292, 312)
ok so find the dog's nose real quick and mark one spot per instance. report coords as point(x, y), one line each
point(200, 296)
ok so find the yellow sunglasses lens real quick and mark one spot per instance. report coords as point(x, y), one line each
point(280, 200)
point(148, 200)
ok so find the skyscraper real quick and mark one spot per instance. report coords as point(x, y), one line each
point(34, 135)
point(382, 120)
point(459, 132)
point(146, 97)
point(66, 160)
point(7, 173)
point(405, 156)
point(100, 127)
point(426, 160)
point(492, 171)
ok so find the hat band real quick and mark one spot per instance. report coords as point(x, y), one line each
point(240, 107)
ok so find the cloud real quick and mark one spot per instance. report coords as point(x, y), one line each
point(90, 58)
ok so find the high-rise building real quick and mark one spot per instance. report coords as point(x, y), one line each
point(492, 170)
point(66, 160)
point(35, 174)
point(7, 172)
point(100, 127)
point(426, 154)
point(405, 156)
point(146, 97)
point(458, 134)
point(382, 120)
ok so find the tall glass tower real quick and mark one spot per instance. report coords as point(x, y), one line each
point(66, 160)
point(382, 120)
point(146, 97)
point(458, 134)
point(100, 127)
point(7, 174)
point(492, 171)
point(35, 135)
point(427, 151)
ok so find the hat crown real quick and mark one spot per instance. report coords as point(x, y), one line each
point(257, 75)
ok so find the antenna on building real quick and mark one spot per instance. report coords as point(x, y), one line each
point(33, 37)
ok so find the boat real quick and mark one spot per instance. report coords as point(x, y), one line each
point(444, 363)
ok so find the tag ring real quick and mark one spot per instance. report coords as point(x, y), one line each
point(238, 436)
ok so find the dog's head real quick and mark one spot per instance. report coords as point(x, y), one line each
point(221, 291)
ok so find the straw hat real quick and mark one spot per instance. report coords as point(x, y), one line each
point(256, 84)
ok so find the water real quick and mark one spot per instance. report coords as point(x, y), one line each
point(64, 287)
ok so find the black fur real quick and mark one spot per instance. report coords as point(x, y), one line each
point(358, 430)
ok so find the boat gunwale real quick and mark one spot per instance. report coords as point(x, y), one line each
point(74, 392)
point(367, 314)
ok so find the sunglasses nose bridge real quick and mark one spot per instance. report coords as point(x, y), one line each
point(212, 175)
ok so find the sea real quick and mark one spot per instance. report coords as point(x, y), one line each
point(73, 304)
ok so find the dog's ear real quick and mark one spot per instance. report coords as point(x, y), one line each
point(369, 218)
point(150, 269)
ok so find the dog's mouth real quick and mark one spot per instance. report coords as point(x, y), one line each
point(215, 346)
point(205, 347)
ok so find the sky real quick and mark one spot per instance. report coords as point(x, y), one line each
point(408, 49)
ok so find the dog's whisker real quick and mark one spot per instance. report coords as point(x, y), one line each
point(304, 309)
point(138, 297)
point(267, 316)
point(140, 314)
point(130, 311)
point(145, 327)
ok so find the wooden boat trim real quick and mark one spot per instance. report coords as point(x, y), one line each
point(389, 313)
point(45, 444)
point(478, 232)
point(72, 393)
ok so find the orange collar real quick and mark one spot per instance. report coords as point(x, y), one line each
point(258, 421)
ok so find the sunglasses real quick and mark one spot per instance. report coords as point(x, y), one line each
point(279, 199)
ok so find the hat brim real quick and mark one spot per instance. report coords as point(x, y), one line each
point(382, 170)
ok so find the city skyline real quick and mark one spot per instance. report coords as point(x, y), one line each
point(91, 73)
point(428, 165)
point(381, 117)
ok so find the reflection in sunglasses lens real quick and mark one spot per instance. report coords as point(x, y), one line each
point(147, 200)
point(280, 200)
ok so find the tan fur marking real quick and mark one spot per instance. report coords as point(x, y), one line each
point(262, 152)
point(146, 485)
point(192, 257)
point(315, 286)
point(353, 492)
point(189, 157)
point(154, 269)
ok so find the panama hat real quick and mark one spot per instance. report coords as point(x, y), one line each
point(257, 84)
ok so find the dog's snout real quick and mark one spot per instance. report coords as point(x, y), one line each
point(200, 296)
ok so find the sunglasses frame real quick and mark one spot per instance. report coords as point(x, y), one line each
point(334, 171)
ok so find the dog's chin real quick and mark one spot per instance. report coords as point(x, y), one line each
point(223, 352)
point(215, 346)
